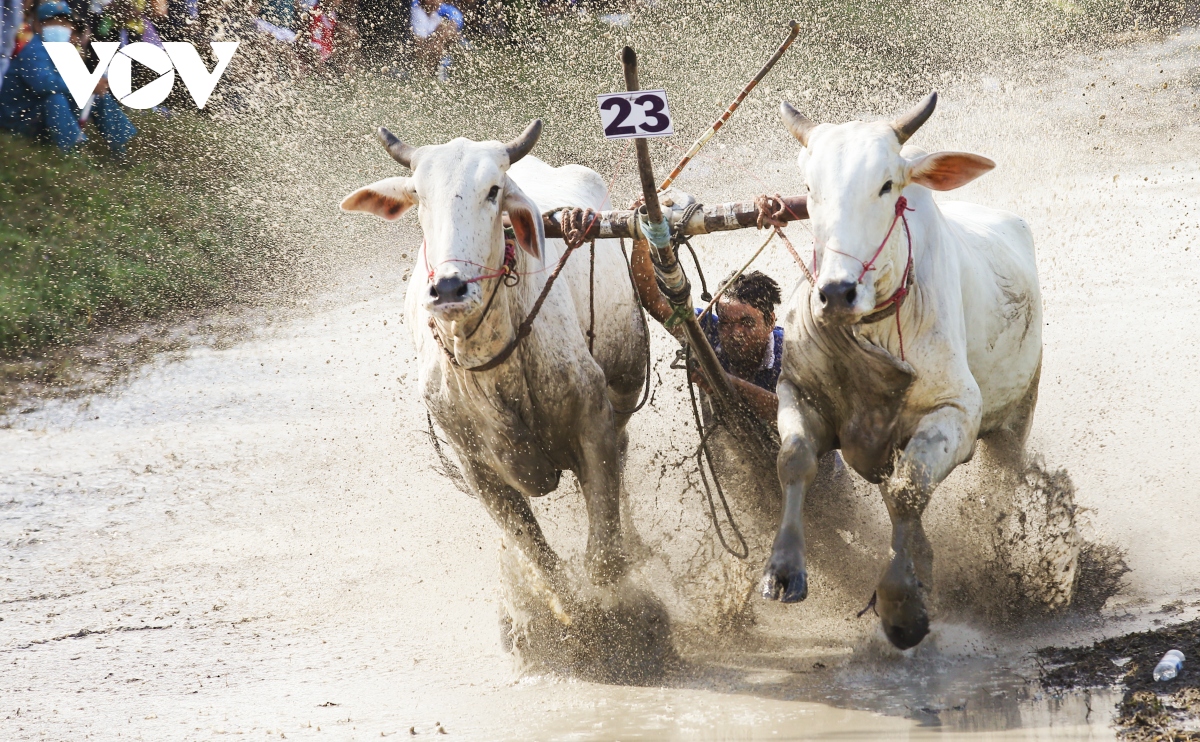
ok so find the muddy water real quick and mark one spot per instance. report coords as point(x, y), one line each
point(253, 539)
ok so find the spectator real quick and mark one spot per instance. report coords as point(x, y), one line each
point(12, 16)
point(281, 13)
point(436, 27)
point(34, 100)
point(129, 21)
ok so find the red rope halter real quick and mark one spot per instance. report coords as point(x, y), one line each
point(508, 267)
point(897, 298)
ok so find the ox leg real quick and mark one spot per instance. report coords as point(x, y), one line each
point(1007, 445)
point(600, 479)
point(804, 438)
point(512, 512)
point(943, 440)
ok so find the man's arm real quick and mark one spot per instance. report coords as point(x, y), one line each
point(765, 404)
point(643, 279)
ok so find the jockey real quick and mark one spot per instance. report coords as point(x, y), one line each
point(741, 330)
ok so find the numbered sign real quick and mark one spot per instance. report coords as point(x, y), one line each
point(642, 113)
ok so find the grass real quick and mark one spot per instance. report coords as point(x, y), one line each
point(83, 242)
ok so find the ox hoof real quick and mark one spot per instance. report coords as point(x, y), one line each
point(906, 636)
point(785, 585)
point(901, 606)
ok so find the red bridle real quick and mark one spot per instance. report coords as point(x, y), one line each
point(897, 298)
point(508, 267)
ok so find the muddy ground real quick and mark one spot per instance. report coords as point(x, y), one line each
point(1149, 710)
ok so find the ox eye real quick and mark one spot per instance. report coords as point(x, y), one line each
point(887, 188)
point(493, 193)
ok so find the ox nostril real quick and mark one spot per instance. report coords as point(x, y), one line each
point(449, 289)
point(838, 297)
point(433, 291)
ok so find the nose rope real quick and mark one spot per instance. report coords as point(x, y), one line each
point(508, 267)
point(901, 207)
point(893, 303)
point(896, 299)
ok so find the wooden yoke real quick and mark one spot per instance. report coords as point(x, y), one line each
point(717, 218)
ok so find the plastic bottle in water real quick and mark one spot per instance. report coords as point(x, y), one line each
point(1168, 666)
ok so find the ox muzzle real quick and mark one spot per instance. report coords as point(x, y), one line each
point(448, 290)
point(840, 302)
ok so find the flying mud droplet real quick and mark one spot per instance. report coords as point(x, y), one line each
point(615, 634)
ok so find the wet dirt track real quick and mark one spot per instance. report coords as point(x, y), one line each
point(252, 539)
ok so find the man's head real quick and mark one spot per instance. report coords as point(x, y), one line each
point(431, 6)
point(55, 21)
point(747, 319)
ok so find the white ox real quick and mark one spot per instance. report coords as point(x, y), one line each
point(551, 405)
point(904, 400)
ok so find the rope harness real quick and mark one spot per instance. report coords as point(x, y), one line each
point(770, 213)
point(703, 456)
point(680, 239)
point(506, 271)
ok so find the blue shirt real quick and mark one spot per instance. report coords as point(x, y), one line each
point(35, 100)
point(767, 375)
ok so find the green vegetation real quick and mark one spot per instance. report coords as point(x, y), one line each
point(83, 241)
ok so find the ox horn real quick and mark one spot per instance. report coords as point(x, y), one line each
point(797, 123)
point(520, 146)
point(400, 152)
point(907, 124)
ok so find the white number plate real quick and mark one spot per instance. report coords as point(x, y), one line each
point(643, 113)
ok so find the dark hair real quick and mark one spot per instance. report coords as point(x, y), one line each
point(754, 288)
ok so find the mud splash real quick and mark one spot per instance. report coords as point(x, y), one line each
point(612, 634)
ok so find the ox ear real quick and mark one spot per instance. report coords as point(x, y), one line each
point(945, 171)
point(525, 218)
point(387, 199)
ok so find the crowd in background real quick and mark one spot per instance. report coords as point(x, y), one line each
point(401, 37)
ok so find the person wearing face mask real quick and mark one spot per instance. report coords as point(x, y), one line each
point(34, 100)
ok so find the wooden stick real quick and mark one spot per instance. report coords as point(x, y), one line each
point(723, 395)
point(716, 126)
point(645, 169)
point(716, 218)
